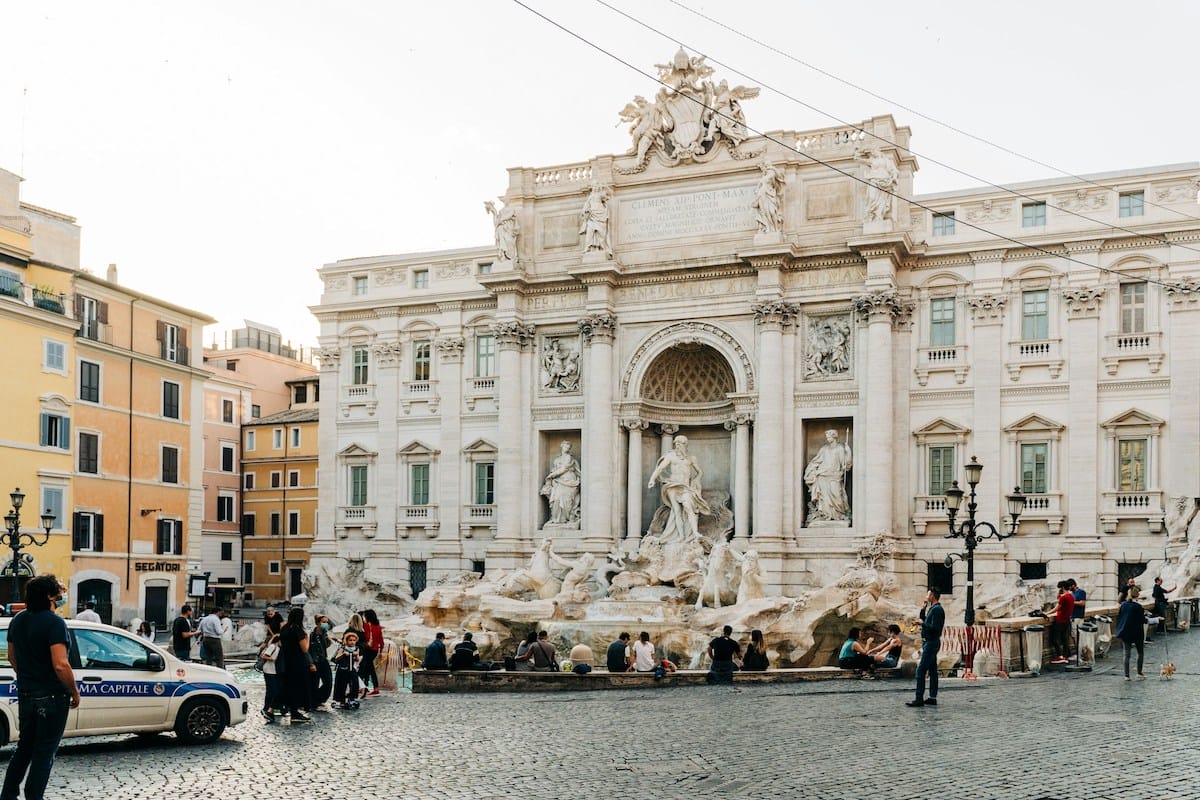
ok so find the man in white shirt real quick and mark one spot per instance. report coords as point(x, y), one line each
point(643, 654)
point(89, 612)
point(212, 633)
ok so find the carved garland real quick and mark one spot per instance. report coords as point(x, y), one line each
point(688, 332)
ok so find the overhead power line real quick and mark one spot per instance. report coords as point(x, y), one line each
point(833, 167)
point(897, 145)
point(909, 109)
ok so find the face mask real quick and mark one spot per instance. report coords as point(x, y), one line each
point(324, 626)
point(61, 601)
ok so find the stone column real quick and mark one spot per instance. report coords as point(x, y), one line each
point(667, 431)
point(599, 454)
point(987, 439)
point(874, 450)
point(770, 318)
point(511, 338)
point(633, 484)
point(1081, 479)
point(1181, 456)
point(324, 541)
point(740, 428)
point(450, 382)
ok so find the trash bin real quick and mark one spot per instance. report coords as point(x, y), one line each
point(1103, 634)
point(1086, 644)
point(1013, 649)
point(1033, 647)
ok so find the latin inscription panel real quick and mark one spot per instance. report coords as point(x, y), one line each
point(694, 214)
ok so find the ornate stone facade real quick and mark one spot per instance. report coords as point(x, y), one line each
point(753, 301)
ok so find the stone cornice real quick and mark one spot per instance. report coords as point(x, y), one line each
point(1084, 246)
point(606, 273)
point(1140, 386)
point(813, 263)
point(941, 395)
point(988, 256)
point(895, 245)
point(823, 399)
point(1036, 390)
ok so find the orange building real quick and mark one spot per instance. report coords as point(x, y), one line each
point(138, 486)
point(279, 495)
point(249, 380)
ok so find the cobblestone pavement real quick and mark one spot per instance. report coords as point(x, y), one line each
point(1081, 736)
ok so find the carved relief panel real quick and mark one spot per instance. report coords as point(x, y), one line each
point(828, 347)
point(560, 364)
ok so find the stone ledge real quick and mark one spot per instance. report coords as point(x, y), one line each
point(439, 682)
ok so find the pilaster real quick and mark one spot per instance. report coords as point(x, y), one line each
point(599, 330)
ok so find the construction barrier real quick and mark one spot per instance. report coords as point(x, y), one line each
point(981, 641)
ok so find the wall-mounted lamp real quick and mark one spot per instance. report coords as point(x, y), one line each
point(145, 512)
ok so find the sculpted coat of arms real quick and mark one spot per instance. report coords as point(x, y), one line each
point(687, 121)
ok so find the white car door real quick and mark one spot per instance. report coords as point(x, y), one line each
point(8, 692)
point(118, 685)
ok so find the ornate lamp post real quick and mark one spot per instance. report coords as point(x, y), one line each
point(972, 532)
point(16, 540)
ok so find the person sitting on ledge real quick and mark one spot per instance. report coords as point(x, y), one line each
point(465, 655)
point(887, 654)
point(435, 653)
point(542, 653)
point(854, 654)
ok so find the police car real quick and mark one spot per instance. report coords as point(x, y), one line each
point(128, 685)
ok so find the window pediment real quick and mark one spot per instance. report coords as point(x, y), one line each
point(416, 449)
point(1133, 418)
point(481, 447)
point(941, 425)
point(1034, 423)
point(356, 452)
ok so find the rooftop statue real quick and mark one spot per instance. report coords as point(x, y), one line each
point(507, 230)
point(689, 117)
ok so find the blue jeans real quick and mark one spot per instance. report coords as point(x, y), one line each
point(928, 666)
point(42, 720)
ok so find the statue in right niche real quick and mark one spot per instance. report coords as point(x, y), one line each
point(825, 476)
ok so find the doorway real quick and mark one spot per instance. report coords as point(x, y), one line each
point(156, 606)
point(98, 591)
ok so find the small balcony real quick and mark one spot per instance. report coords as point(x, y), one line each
point(1117, 506)
point(10, 285)
point(424, 391)
point(356, 515)
point(1145, 346)
point(410, 517)
point(952, 358)
point(1045, 507)
point(1035, 353)
point(95, 331)
point(48, 300)
point(927, 509)
point(359, 393)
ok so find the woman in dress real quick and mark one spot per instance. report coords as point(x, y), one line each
point(294, 680)
point(562, 487)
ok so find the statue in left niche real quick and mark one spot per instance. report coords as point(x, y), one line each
point(507, 230)
point(561, 489)
point(767, 194)
point(594, 220)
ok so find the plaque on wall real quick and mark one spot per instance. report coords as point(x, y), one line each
point(675, 216)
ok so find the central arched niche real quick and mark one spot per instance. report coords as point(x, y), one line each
point(687, 374)
point(688, 384)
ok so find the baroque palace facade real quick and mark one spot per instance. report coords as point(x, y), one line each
point(833, 347)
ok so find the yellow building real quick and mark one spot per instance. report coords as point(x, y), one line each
point(139, 485)
point(38, 251)
point(279, 496)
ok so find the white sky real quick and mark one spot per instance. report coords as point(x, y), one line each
point(221, 152)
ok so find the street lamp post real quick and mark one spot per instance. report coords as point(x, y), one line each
point(17, 540)
point(970, 532)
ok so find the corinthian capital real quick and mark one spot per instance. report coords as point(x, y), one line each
point(1183, 293)
point(1083, 301)
point(598, 327)
point(987, 307)
point(881, 304)
point(513, 334)
point(329, 357)
point(774, 312)
point(450, 348)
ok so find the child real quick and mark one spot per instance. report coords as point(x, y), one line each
point(269, 652)
point(346, 662)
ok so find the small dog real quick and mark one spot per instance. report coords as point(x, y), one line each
point(1168, 671)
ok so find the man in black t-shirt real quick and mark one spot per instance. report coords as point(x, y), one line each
point(722, 651)
point(182, 633)
point(38, 643)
